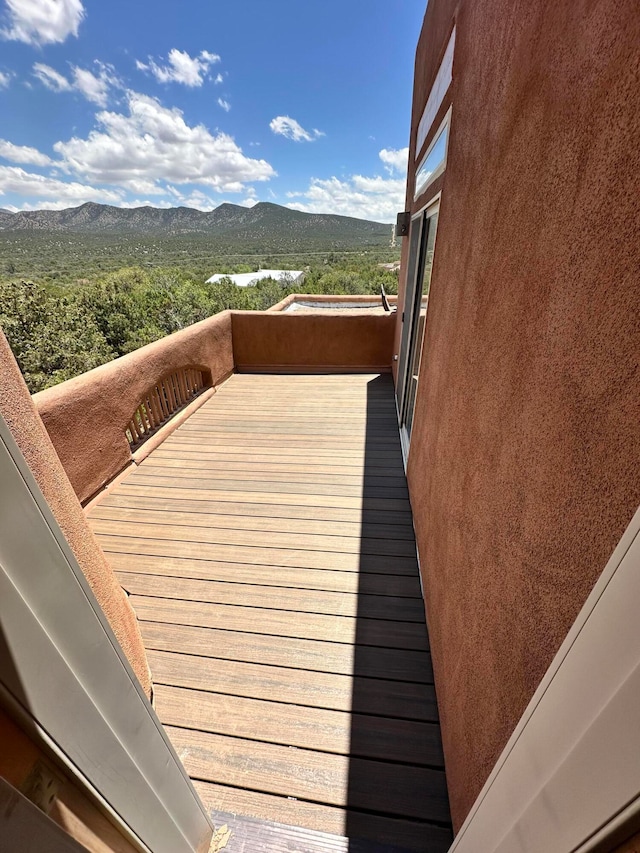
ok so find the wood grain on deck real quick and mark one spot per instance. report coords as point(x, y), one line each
point(267, 546)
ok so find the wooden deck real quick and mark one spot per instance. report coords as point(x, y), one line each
point(268, 549)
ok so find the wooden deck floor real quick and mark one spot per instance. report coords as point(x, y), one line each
point(268, 549)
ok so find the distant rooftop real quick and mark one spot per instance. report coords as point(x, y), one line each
point(244, 279)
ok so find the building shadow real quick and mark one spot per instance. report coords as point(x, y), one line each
point(397, 795)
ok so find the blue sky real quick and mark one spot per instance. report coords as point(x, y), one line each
point(301, 102)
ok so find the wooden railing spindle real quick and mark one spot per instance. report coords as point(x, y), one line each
point(161, 402)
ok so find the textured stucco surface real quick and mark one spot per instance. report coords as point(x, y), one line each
point(332, 340)
point(523, 468)
point(86, 416)
point(18, 410)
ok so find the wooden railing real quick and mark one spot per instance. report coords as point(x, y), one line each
point(168, 396)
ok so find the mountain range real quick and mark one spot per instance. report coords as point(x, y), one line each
point(264, 220)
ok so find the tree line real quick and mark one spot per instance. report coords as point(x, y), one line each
point(58, 333)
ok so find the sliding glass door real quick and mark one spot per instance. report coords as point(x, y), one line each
point(422, 242)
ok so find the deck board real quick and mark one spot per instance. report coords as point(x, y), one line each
point(267, 547)
point(406, 610)
point(404, 700)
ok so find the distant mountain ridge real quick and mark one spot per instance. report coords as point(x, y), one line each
point(264, 220)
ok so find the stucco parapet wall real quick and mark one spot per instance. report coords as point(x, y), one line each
point(86, 417)
point(19, 412)
point(269, 341)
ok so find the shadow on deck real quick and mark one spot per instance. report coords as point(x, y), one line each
point(268, 549)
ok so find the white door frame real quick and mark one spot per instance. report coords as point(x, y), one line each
point(64, 675)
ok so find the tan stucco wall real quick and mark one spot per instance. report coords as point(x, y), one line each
point(328, 340)
point(18, 410)
point(523, 468)
point(86, 416)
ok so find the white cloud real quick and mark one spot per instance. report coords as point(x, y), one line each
point(142, 186)
point(395, 159)
point(5, 79)
point(199, 201)
point(66, 194)
point(43, 21)
point(375, 197)
point(378, 199)
point(94, 87)
point(226, 106)
point(218, 79)
point(196, 199)
point(182, 68)
point(155, 143)
point(248, 202)
point(291, 129)
point(23, 154)
point(51, 78)
point(377, 185)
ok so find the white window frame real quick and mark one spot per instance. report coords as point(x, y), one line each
point(446, 122)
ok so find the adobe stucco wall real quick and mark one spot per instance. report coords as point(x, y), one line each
point(273, 341)
point(86, 416)
point(18, 410)
point(523, 468)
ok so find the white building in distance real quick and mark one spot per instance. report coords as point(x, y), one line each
point(244, 279)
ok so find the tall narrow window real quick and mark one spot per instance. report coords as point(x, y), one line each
point(423, 235)
point(435, 160)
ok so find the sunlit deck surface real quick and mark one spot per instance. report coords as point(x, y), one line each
point(268, 549)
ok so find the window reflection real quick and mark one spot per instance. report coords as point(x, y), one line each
point(433, 163)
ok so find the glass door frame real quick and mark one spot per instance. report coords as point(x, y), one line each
point(418, 238)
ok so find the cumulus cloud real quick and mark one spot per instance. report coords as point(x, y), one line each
point(42, 21)
point(291, 129)
point(366, 198)
point(23, 154)
point(93, 86)
point(195, 199)
point(16, 180)
point(395, 159)
point(182, 68)
point(5, 79)
point(378, 198)
point(155, 143)
point(226, 106)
